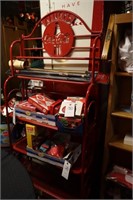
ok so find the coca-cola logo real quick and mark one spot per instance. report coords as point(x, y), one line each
point(58, 38)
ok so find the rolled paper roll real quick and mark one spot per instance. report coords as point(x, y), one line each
point(19, 64)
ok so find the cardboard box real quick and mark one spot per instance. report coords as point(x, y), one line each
point(41, 102)
point(25, 105)
point(37, 116)
point(32, 131)
point(70, 157)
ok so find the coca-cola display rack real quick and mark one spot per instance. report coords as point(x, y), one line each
point(66, 46)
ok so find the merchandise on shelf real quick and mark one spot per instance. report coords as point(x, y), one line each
point(25, 105)
point(42, 102)
point(128, 139)
point(32, 132)
point(4, 135)
point(36, 116)
point(121, 175)
point(126, 52)
point(74, 125)
point(54, 150)
point(72, 106)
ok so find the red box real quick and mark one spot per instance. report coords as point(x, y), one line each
point(43, 103)
point(55, 107)
point(25, 105)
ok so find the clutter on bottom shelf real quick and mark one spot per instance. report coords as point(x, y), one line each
point(55, 150)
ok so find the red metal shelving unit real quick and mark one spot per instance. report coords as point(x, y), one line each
point(62, 85)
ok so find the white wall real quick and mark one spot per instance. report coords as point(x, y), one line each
point(83, 8)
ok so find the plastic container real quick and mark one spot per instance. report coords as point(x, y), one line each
point(4, 135)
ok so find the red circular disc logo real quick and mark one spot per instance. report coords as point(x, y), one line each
point(58, 39)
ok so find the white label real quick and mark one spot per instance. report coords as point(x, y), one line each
point(84, 8)
point(14, 117)
point(66, 169)
point(70, 109)
point(63, 106)
point(79, 106)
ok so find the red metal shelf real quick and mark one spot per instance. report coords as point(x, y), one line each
point(47, 177)
point(47, 189)
point(48, 180)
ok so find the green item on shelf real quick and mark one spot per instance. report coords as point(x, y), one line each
point(37, 64)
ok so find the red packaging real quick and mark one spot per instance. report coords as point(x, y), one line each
point(74, 99)
point(55, 107)
point(25, 105)
point(41, 102)
point(57, 151)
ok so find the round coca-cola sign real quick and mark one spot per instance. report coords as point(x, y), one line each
point(58, 38)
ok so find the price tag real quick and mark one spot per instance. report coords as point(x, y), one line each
point(70, 109)
point(66, 169)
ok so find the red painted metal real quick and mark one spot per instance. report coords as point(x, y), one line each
point(59, 41)
point(58, 38)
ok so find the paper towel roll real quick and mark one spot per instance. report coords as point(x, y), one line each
point(18, 64)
